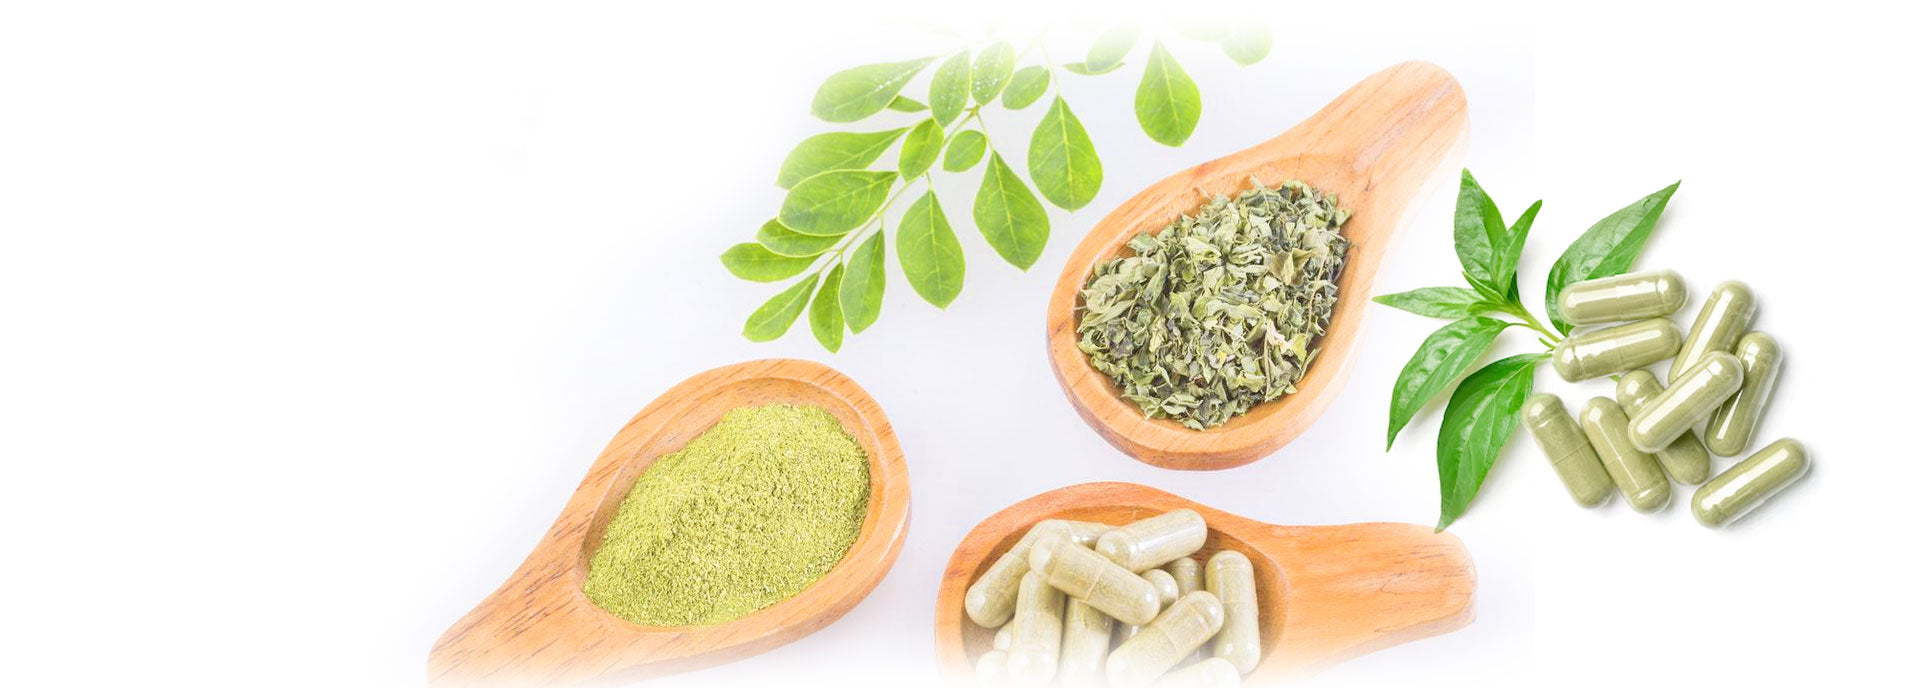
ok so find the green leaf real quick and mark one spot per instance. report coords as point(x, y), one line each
point(1167, 102)
point(1479, 419)
point(857, 93)
point(903, 103)
point(1434, 302)
point(824, 316)
point(1506, 260)
point(755, 263)
point(965, 151)
point(1009, 216)
point(1110, 48)
point(1477, 232)
point(836, 201)
point(785, 241)
point(865, 282)
point(929, 252)
point(773, 318)
point(1084, 69)
point(921, 149)
point(1027, 86)
point(991, 70)
point(1442, 358)
point(948, 94)
point(1249, 41)
point(839, 150)
point(1061, 159)
point(1607, 248)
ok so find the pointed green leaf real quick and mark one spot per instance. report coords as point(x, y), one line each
point(773, 318)
point(785, 241)
point(929, 252)
point(903, 103)
point(1111, 48)
point(991, 70)
point(1082, 68)
point(840, 150)
point(1249, 41)
point(1506, 259)
point(1479, 420)
point(1009, 216)
point(1442, 358)
point(965, 151)
point(836, 201)
point(755, 263)
point(1027, 86)
point(1606, 249)
point(921, 149)
point(857, 93)
point(1477, 232)
point(865, 282)
point(1167, 102)
point(948, 94)
point(1434, 302)
point(1061, 159)
point(824, 315)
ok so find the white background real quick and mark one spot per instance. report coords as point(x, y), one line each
point(316, 313)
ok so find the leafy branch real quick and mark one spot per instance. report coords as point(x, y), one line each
point(829, 231)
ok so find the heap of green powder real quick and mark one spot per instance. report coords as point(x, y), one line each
point(749, 513)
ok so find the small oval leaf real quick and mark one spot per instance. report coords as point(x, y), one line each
point(1110, 48)
point(921, 149)
point(1167, 102)
point(857, 93)
point(755, 263)
point(903, 103)
point(1027, 86)
point(824, 315)
point(930, 253)
point(965, 151)
point(1479, 420)
point(1248, 41)
point(1009, 216)
point(836, 201)
point(865, 283)
point(1061, 159)
point(1442, 358)
point(947, 97)
point(839, 150)
point(773, 318)
point(793, 244)
point(991, 70)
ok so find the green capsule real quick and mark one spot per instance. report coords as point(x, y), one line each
point(1038, 615)
point(1723, 318)
point(1685, 458)
point(1735, 493)
point(990, 599)
point(1145, 544)
point(1615, 349)
point(1635, 472)
point(1187, 624)
point(1080, 573)
point(1186, 573)
point(1692, 398)
point(1625, 297)
point(1084, 644)
point(1207, 673)
point(1169, 590)
point(1732, 427)
point(1230, 578)
point(1567, 449)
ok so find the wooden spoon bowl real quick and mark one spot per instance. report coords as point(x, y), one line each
point(1327, 593)
point(540, 629)
point(1376, 146)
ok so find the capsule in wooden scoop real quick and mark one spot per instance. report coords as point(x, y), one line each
point(1723, 318)
point(991, 669)
point(1635, 472)
point(1145, 544)
point(1186, 574)
point(1083, 574)
point(1685, 459)
point(1207, 673)
point(1187, 624)
point(1169, 591)
point(1732, 426)
point(1567, 449)
point(1084, 646)
point(1038, 615)
point(1692, 398)
point(1626, 297)
point(1616, 349)
point(1230, 578)
point(1736, 492)
point(990, 599)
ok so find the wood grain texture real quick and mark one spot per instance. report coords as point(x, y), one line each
point(1327, 593)
point(540, 629)
point(1377, 146)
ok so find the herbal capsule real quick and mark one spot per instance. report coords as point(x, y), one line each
point(1567, 449)
point(1616, 349)
point(1166, 586)
point(1208, 673)
point(1735, 493)
point(1187, 624)
point(1148, 543)
point(1186, 572)
point(991, 669)
point(990, 599)
point(1685, 458)
point(1003, 638)
point(1732, 427)
point(1034, 655)
point(1635, 472)
point(1723, 318)
point(1082, 574)
point(1084, 646)
point(1623, 298)
point(1693, 397)
point(1230, 578)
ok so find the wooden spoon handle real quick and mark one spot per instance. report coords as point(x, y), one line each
point(1395, 127)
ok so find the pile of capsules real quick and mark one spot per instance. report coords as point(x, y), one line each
point(1082, 603)
point(1721, 376)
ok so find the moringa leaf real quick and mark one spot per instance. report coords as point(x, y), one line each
point(947, 96)
point(865, 282)
point(1608, 248)
point(1435, 302)
point(990, 71)
point(965, 151)
point(1442, 358)
point(1009, 216)
point(1027, 85)
point(929, 252)
point(903, 103)
point(1477, 232)
point(1082, 68)
point(921, 149)
point(857, 93)
point(1110, 48)
point(836, 201)
point(839, 150)
point(1479, 420)
point(1247, 42)
point(1061, 159)
point(829, 327)
point(1167, 102)
point(756, 263)
point(773, 318)
point(785, 241)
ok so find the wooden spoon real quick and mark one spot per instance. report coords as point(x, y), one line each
point(1327, 593)
point(1375, 146)
point(540, 629)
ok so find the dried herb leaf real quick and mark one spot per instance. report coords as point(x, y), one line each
point(1479, 420)
point(947, 96)
point(857, 93)
point(1027, 86)
point(1167, 102)
point(756, 263)
point(965, 151)
point(929, 252)
point(1442, 358)
point(838, 150)
point(1608, 248)
point(921, 149)
point(824, 315)
point(836, 201)
point(1061, 159)
point(865, 283)
point(773, 318)
point(1009, 216)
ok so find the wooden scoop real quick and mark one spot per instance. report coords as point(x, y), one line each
point(1327, 593)
point(1375, 146)
point(540, 629)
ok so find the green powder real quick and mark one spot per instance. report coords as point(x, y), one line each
point(749, 513)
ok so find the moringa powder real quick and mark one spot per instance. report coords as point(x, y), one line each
point(747, 514)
